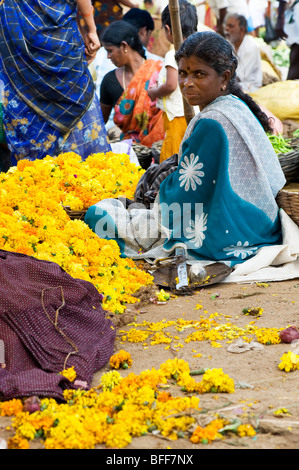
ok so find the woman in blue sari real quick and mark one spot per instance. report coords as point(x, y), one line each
point(219, 202)
point(48, 96)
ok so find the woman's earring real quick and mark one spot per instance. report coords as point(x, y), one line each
point(126, 50)
point(223, 88)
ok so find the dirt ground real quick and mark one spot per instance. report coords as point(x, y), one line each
point(261, 387)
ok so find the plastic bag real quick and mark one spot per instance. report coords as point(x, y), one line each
point(280, 98)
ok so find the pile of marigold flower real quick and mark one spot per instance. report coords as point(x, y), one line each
point(129, 407)
point(34, 222)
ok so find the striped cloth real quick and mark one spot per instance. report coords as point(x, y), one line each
point(44, 57)
point(2, 131)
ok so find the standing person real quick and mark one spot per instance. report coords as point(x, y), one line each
point(219, 203)
point(249, 69)
point(144, 23)
point(49, 100)
point(125, 88)
point(107, 12)
point(222, 7)
point(167, 91)
point(257, 11)
point(287, 27)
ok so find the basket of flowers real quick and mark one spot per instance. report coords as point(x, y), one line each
point(74, 214)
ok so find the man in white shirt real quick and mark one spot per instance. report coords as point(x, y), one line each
point(223, 7)
point(287, 27)
point(249, 69)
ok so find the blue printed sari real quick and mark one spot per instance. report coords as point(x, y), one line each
point(47, 91)
point(219, 204)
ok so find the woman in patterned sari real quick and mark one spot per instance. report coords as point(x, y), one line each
point(125, 89)
point(48, 95)
point(219, 201)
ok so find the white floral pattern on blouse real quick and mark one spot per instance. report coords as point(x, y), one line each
point(196, 230)
point(190, 172)
point(240, 250)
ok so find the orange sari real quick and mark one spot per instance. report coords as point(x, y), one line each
point(135, 114)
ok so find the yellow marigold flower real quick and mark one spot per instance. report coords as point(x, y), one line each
point(121, 360)
point(268, 335)
point(69, 373)
point(162, 296)
point(289, 362)
point(174, 368)
point(110, 379)
point(214, 380)
point(188, 383)
point(26, 431)
point(245, 430)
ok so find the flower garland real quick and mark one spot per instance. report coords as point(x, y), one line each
point(125, 408)
point(34, 222)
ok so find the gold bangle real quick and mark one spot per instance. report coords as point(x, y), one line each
point(88, 14)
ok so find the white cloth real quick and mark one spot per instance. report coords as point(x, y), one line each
point(291, 24)
point(257, 9)
point(272, 263)
point(249, 68)
point(232, 6)
point(171, 104)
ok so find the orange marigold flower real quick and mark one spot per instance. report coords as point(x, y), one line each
point(17, 442)
point(121, 360)
point(11, 407)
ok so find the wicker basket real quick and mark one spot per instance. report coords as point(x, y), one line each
point(290, 162)
point(146, 155)
point(75, 214)
point(288, 200)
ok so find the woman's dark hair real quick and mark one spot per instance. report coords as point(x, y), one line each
point(122, 31)
point(188, 18)
point(218, 53)
point(139, 18)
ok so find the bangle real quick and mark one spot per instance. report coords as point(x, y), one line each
point(88, 14)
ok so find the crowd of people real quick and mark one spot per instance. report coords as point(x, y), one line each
point(223, 158)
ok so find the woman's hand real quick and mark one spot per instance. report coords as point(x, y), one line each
point(88, 29)
point(152, 93)
point(92, 45)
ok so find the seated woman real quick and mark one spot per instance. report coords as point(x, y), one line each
point(219, 202)
point(125, 88)
point(48, 96)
